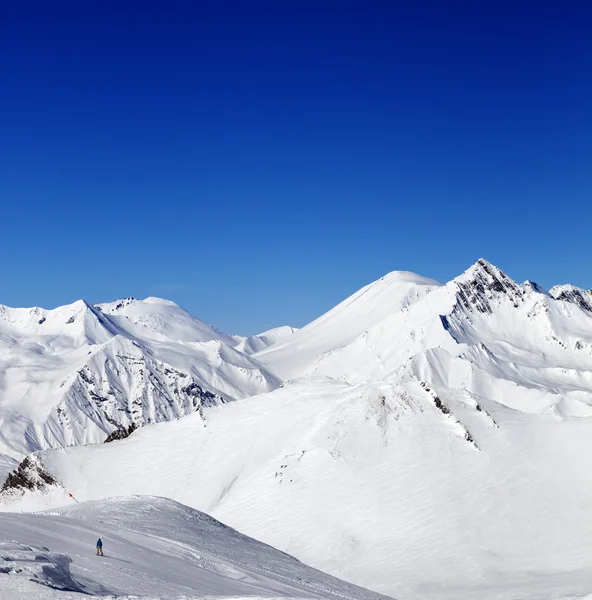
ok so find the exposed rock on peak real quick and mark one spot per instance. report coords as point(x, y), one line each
point(29, 475)
point(112, 307)
point(74, 374)
point(481, 283)
point(531, 286)
point(121, 434)
point(573, 294)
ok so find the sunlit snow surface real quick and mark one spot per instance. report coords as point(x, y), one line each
point(74, 374)
point(428, 441)
point(153, 548)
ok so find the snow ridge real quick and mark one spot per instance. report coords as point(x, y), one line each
point(419, 439)
point(76, 374)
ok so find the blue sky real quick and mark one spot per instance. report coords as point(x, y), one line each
point(258, 162)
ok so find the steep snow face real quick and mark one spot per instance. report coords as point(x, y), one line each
point(372, 304)
point(75, 374)
point(516, 344)
point(153, 548)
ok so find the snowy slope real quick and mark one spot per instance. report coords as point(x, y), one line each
point(482, 333)
point(76, 373)
point(375, 484)
point(160, 319)
point(433, 442)
point(153, 548)
point(300, 352)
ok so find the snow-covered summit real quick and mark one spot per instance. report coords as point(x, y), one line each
point(80, 317)
point(160, 319)
point(76, 373)
point(480, 326)
point(483, 282)
point(341, 325)
point(573, 294)
point(155, 300)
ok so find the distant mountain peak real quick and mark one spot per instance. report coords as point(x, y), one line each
point(110, 307)
point(91, 368)
point(481, 283)
point(155, 300)
point(574, 295)
point(406, 277)
point(121, 303)
point(484, 271)
point(532, 286)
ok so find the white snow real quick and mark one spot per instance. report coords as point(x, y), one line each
point(76, 373)
point(429, 441)
point(257, 343)
point(345, 322)
point(7, 464)
point(153, 548)
point(374, 485)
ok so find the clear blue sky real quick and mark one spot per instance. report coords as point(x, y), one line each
point(258, 162)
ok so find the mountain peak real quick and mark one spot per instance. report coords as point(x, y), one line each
point(111, 307)
point(155, 300)
point(485, 271)
point(480, 283)
point(122, 303)
point(406, 277)
point(532, 286)
point(574, 295)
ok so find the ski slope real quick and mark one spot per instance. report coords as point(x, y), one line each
point(154, 548)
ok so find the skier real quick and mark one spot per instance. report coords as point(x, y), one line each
point(99, 547)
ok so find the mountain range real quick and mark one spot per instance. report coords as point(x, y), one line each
point(419, 439)
point(75, 374)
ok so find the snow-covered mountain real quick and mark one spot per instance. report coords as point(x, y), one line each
point(427, 441)
point(481, 334)
point(300, 353)
point(384, 485)
point(153, 548)
point(74, 374)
